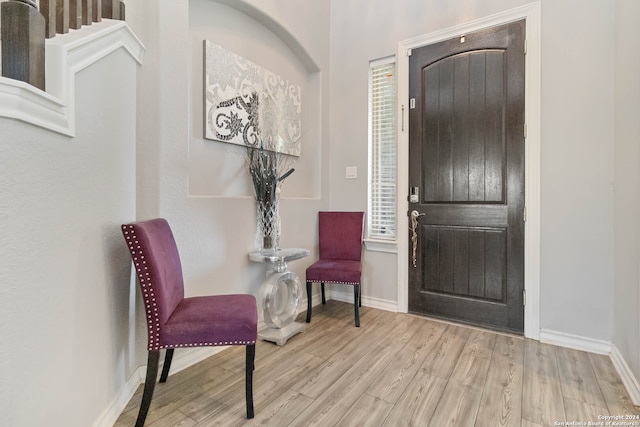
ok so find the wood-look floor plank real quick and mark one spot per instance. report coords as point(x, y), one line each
point(271, 382)
point(334, 403)
point(527, 423)
point(367, 411)
point(170, 396)
point(613, 390)
point(401, 371)
point(577, 378)
point(282, 411)
point(501, 404)
point(206, 369)
point(542, 392)
point(229, 415)
point(173, 419)
point(461, 397)
point(234, 358)
point(418, 402)
point(320, 329)
point(406, 329)
point(580, 412)
point(458, 406)
point(268, 385)
point(473, 362)
point(395, 370)
point(329, 407)
point(316, 381)
point(339, 335)
point(230, 396)
point(223, 399)
point(444, 357)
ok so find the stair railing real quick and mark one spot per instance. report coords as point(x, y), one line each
point(24, 27)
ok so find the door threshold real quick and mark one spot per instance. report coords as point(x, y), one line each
point(474, 326)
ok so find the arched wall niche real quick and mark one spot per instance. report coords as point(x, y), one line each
point(218, 169)
point(279, 30)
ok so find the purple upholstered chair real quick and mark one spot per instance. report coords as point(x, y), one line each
point(340, 238)
point(174, 321)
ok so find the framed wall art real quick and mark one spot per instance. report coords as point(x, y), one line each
point(245, 104)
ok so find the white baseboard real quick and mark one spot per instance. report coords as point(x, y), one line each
point(575, 342)
point(182, 359)
point(599, 347)
point(626, 375)
point(316, 299)
point(110, 415)
point(378, 303)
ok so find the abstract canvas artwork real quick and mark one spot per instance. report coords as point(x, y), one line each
point(246, 104)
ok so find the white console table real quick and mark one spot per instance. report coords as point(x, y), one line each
point(279, 316)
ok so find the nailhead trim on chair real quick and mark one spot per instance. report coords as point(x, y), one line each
point(331, 281)
point(153, 321)
point(202, 344)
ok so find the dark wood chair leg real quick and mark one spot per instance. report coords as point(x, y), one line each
point(360, 294)
point(322, 289)
point(251, 355)
point(356, 297)
point(167, 364)
point(309, 302)
point(149, 385)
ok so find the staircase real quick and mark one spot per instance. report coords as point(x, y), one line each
point(24, 28)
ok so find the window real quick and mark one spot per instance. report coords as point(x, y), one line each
point(382, 150)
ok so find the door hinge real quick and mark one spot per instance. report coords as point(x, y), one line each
point(408, 52)
point(524, 214)
point(524, 297)
point(525, 131)
point(412, 103)
point(525, 46)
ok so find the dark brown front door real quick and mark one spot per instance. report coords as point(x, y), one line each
point(466, 173)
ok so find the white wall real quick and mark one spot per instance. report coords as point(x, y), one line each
point(215, 223)
point(64, 269)
point(577, 141)
point(577, 168)
point(218, 169)
point(626, 297)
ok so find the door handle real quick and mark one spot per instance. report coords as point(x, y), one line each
point(414, 234)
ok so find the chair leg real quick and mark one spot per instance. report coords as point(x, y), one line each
point(251, 355)
point(167, 364)
point(360, 294)
point(322, 289)
point(356, 298)
point(149, 385)
point(309, 302)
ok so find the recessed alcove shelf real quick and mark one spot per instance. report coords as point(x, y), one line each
point(66, 55)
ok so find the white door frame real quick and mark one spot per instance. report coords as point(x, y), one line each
point(530, 12)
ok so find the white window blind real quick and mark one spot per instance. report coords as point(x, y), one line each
point(382, 150)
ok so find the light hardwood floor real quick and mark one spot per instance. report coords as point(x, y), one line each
point(395, 370)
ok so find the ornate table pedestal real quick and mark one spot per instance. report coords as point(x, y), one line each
point(280, 295)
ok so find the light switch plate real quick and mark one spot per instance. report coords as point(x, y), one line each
point(351, 172)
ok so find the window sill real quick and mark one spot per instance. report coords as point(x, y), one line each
point(389, 246)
